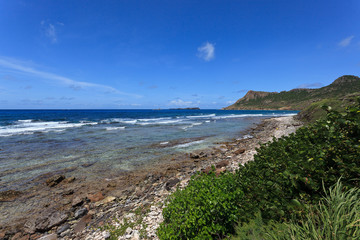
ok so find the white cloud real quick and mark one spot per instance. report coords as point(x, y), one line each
point(345, 42)
point(77, 85)
point(50, 30)
point(206, 51)
point(311, 85)
point(180, 103)
point(231, 102)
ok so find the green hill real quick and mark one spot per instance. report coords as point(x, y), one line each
point(300, 99)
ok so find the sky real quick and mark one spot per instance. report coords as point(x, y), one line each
point(129, 54)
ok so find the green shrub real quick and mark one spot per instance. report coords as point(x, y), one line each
point(289, 171)
point(207, 208)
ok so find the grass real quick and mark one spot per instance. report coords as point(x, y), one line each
point(336, 217)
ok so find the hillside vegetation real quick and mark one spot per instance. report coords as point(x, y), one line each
point(280, 190)
point(297, 99)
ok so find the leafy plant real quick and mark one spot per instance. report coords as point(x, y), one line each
point(289, 171)
point(207, 208)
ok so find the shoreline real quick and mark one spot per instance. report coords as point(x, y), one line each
point(76, 211)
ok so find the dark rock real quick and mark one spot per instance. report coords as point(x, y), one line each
point(223, 163)
point(63, 228)
point(79, 226)
point(95, 197)
point(171, 183)
point(239, 151)
point(55, 180)
point(194, 156)
point(9, 195)
point(77, 201)
point(80, 212)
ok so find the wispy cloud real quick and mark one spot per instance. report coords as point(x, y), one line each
point(50, 30)
point(311, 85)
point(76, 85)
point(346, 41)
point(241, 91)
point(206, 51)
point(180, 103)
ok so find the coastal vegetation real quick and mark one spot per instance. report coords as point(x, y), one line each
point(282, 187)
point(300, 98)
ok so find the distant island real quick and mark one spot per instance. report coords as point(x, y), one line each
point(193, 108)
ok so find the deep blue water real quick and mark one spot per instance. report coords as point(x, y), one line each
point(101, 143)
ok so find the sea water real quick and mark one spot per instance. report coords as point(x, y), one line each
point(101, 143)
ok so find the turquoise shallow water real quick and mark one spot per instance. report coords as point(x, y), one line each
point(100, 143)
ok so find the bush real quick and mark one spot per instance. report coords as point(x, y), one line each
point(206, 208)
point(288, 172)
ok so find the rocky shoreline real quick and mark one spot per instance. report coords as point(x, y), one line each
point(132, 203)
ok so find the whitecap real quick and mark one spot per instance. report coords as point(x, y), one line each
point(202, 116)
point(114, 128)
point(188, 144)
point(32, 127)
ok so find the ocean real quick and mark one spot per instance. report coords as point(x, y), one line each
point(97, 144)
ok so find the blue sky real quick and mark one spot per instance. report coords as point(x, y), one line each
point(165, 54)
